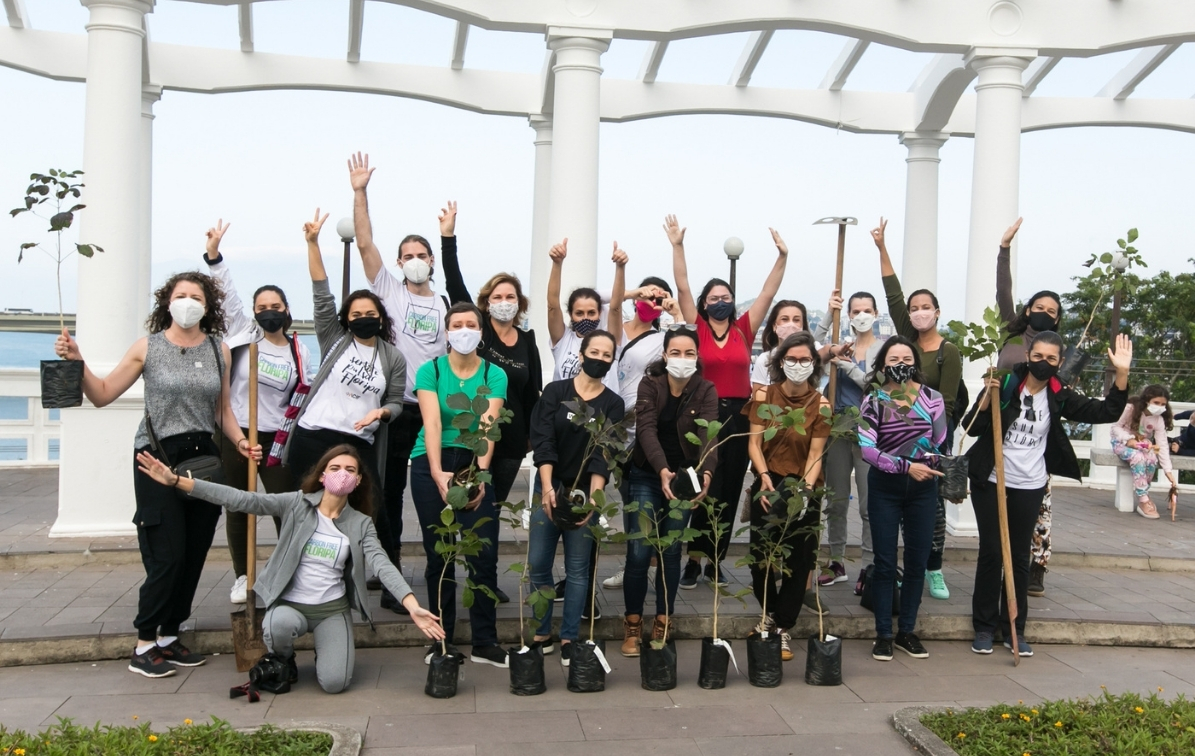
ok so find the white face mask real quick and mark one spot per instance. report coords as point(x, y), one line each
point(797, 373)
point(416, 270)
point(680, 368)
point(863, 322)
point(923, 320)
point(504, 312)
point(186, 312)
point(464, 340)
point(784, 330)
point(1155, 409)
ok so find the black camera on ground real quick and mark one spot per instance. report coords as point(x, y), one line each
point(274, 673)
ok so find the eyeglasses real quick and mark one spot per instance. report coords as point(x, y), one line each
point(794, 362)
point(716, 299)
point(682, 327)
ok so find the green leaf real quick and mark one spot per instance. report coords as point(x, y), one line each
point(1121, 243)
point(463, 421)
point(770, 433)
point(692, 439)
point(1132, 235)
point(1106, 258)
point(459, 402)
point(467, 597)
point(447, 516)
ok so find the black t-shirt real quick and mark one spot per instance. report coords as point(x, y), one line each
point(670, 440)
point(556, 441)
point(524, 378)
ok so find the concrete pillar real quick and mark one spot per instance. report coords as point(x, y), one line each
point(150, 94)
point(95, 491)
point(920, 267)
point(540, 242)
point(574, 166)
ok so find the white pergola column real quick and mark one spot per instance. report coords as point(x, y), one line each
point(150, 94)
point(919, 269)
point(95, 491)
point(573, 212)
point(540, 243)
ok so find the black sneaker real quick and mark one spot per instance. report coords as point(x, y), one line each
point(547, 647)
point(502, 597)
point(1037, 580)
point(597, 612)
point(151, 663)
point(391, 603)
point(436, 650)
point(181, 656)
point(709, 574)
point(559, 592)
point(566, 654)
point(911, 645)
point(859, 584)
point(688, 581)
point(492, 655)
point(292, 670)
point(882, 650)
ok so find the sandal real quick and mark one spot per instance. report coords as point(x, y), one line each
point(1146, 508)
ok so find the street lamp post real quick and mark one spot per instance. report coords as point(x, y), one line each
point(345, 229)
point(733, 247)
point(1121, 264)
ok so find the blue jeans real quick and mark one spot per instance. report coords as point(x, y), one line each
point(896, 503)
point(645, 489)
point(578, 545)
point(483, 568)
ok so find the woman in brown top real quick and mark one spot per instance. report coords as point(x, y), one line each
point(790, 454)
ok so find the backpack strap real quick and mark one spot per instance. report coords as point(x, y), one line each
point(636, 340)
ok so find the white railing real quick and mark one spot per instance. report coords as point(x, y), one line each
point(29, 435)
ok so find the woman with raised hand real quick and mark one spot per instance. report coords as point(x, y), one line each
point(853, 358)
point(725, 342)
point(559, 447)
point(905, 429)
point(1033, 404)
point(793, 454)
point(438, 455)
point(1139, 438)
point(317, 573)
point(282, 364)
point(942, 365)
point(185, 371)
point(788, 316)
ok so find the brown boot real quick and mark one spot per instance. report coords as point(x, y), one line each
point(632, 630)
point(657, 629)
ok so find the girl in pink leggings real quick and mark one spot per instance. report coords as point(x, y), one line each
point(1139, 438)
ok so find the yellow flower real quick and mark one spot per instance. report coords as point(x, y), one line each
point(1159, 688)
point(1026, 753)
point(1033, 710)
point(1139, 710)
point(1025, 717)
point(1005, 715)
point(153, 738)
point(135, 716)
point(1020, 703)
point(1058, 724)
point(18, 752)
point(187, 722)
point(962, 735)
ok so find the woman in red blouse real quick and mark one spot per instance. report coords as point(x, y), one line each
point(725, 352)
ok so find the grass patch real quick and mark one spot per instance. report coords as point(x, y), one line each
point(1124, 724)
point(215, 738)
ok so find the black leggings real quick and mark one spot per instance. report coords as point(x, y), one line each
point(785, 602)
point(727, 485)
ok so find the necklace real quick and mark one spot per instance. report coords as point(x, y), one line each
point(724, 333)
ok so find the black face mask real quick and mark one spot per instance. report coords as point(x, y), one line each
point(365, 328)
point(595, 368)
point(720, 310)
point(271, 321)
point(900, 373)
point(1042, 321)
point(1042, 370)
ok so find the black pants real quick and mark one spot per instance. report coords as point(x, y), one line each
point(404, 431)
point(174, 534)
point(989, 603)
point(727, 484)
point(236, 474)
point(504, 472)
point(801, 540)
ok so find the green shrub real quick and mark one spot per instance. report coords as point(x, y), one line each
point(216, 738)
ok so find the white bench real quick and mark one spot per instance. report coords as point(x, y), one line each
point(1126, 499)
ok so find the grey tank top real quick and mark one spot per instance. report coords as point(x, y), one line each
point(181, 388)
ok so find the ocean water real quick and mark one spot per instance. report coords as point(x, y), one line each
point(27, 350)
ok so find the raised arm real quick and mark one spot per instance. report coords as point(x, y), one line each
point(103, 391)
point(1008, 309)
point(359, 174)
point(315, 261)
point(617, 291)
point(680, 269)
point(237, 318)
point(771, 285)
point(261, 504)
point(454, 280)
point(898, 310)
point(555, 314)
point(228, 421)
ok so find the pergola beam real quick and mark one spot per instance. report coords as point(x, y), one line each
point(356, 24)
point(459, 42)
point(16, 13)
point(937, 92)
point(1138, 69)
point(842, 67)
point(245, 22)
point(652, 61)
point(1038, 71)
point(756, 44)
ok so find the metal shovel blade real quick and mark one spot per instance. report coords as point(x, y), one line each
point(246, 634)
point(837, 221)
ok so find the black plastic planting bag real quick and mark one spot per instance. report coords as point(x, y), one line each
point(823, 662)
point(867, 601)
point(657, 666)
point(61, 383)
point(442, 675)
point(587, 670)
point(527, 671)
point(715, 661)
point(953, 485)
point(1072, 365)
point(764, 667)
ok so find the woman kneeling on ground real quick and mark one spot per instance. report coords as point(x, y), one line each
point(305, 585)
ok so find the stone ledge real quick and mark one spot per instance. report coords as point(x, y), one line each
point(346, 741)
point(908, 723)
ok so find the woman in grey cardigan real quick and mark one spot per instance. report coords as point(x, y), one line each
point(317, 572)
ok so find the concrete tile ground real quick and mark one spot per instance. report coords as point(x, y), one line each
point(386, 701)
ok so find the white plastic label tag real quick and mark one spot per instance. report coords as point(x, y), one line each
point(597, 651)
point(764, 635)
point(524, 649)
point(830, 638)
point(729, 650)
point(460, 677)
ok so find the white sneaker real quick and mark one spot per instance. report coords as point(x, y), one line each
point(651, 579)
point(240, 590)
point(615, 580)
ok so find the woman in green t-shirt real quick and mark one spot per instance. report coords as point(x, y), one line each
point(436, 456)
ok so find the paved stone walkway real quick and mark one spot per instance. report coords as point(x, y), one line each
point(387, 704)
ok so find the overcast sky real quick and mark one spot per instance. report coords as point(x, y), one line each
point(266, 160)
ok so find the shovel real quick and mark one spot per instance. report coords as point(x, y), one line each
point(246, 623)
point(842, 223)
point(1010, 588)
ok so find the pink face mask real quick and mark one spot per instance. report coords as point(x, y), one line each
point(646, 311)
point(340, 482)
point(784, 330)
point(923, 320)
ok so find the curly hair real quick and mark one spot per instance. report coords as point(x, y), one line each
point(361, 499)
point(800, 338)
point(387, 332)
point(770, 339)
point(212, 322)
point(1139, 403)
point(483, 295)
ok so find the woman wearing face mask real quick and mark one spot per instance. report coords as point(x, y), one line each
point(791, 455)
point(787, 317)
point(1043, 313)
point(317, 573)
point(942, 366)
point(360, 383)
point(906, 427)
point(1139, 438)
point(1033, 404)
point(851, 359)
point(725, 342)
point(586, 314)
point(184, 368)
point(282, 364)
point(559, 447)
point(437, 456)
point(672, 397)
